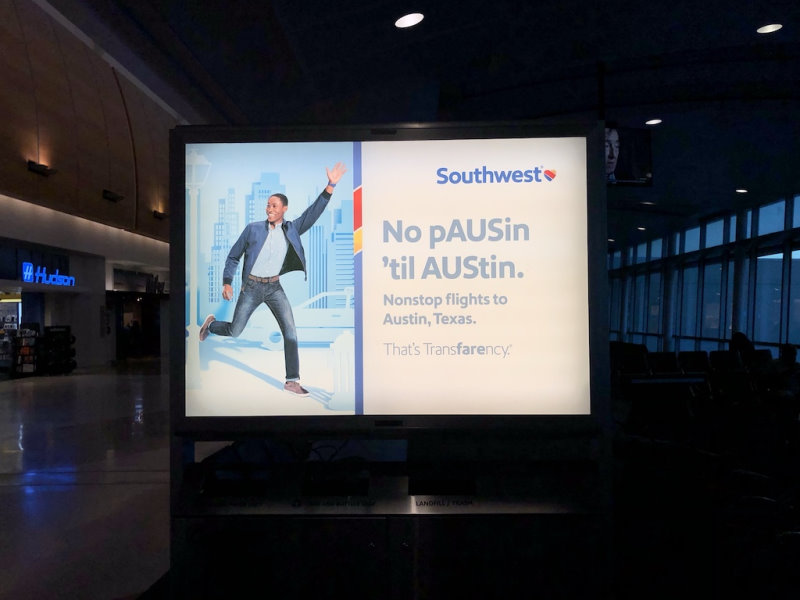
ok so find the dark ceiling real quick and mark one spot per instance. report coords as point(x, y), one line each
point(728, 96)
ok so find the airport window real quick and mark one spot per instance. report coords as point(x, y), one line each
point(794, 298)
point(641, 253)
point(640, 307)
point(712, 300)
point(691, 239)
point(614, 306)
point(655, 249)
point(714, 233)
point(654, 304)
point(743, 316)
point(674, 307)
point(627, 306)
point(767, 322)
point(729, 302)
point(771, 217)
point(743, 286)
point(796, 218)
point(709, 345)
point(688, 322)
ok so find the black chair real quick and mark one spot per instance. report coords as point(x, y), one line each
point(663, 363)
point(731, 383)
point(725, 361)
point(660, 408)
point(629, 359)
point(694, 361)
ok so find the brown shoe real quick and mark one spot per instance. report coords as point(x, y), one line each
point(294, 387)
point(204, 329)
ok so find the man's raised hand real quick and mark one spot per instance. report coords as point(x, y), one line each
point(335, 174)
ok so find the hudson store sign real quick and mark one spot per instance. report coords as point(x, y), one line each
point(39, 274)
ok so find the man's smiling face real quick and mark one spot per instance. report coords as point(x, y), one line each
point(275, 210)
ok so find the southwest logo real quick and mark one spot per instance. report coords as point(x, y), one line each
point(27, 272)
point(484, 174)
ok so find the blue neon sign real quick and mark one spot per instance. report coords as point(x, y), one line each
point(39, 274)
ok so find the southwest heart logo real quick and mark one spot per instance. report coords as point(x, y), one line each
point(549, 174)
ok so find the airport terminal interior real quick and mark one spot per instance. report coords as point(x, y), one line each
point(692, 480)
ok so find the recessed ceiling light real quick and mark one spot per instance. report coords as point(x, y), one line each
point(770, 28)
point(653, 122)
point(408, 20)
point(647, 203)
point(642, 228)
point(612, 240)
point(741, 191)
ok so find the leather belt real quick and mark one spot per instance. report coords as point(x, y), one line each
point(264, 279)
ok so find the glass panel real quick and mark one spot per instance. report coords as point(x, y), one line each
point(651, 341)
point(732, 229)
point(708, 345)
point(641, 253)
point(641, 306)
point(691, 240)
point(744, 294)
point(636, 339)
point(770, 217)
point(614, 308)
point(676, 249)
point(714, 233)
point(767, 327)
point(655, 249)
point(630, 255)
point(654, 304)
point(617, 260)
point(689, 302)
point(729, 302)
point(796, 218)
point(712, 293)
point(674, 306)
point(685, 344)
point(748, 224)
point(627, 319)
point(794, 298)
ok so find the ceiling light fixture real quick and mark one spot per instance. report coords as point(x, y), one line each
point(642, 228)
point(647, 203)
point(408, 20)
point(612, 240)
point(741, 191)
point(770, 28)
point(653, 122)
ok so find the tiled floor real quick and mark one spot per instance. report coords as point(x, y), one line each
point(84, 484)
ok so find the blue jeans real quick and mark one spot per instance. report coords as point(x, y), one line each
point(271, 294)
